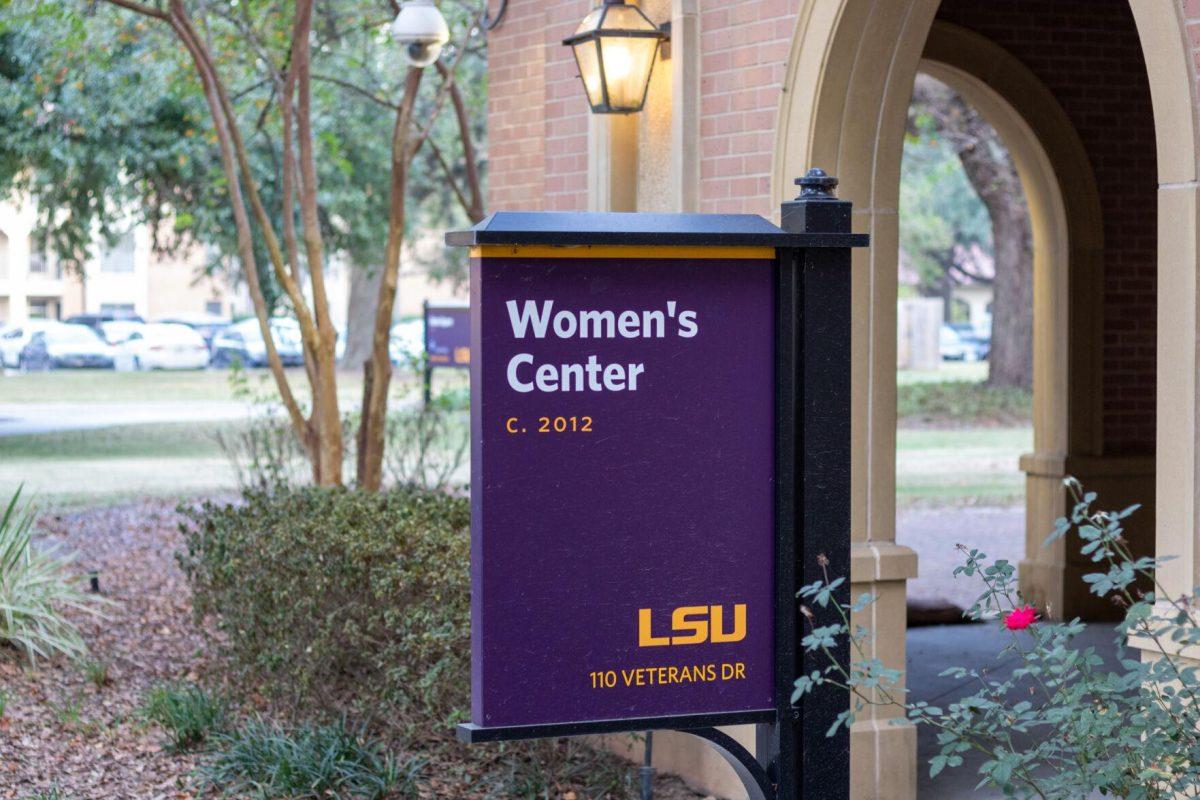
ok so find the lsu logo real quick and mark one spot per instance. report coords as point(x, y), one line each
point(693, 625)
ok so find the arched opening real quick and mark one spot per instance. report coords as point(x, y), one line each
point(1098, 403)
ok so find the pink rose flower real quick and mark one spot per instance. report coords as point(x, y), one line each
point(1021, 618)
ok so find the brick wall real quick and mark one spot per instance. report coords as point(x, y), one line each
point(537, 117)
point(516, 91)
point(744, 51)
point(1088, 54)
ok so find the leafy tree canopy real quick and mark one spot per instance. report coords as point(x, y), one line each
point(941, 215)
point(103, 123)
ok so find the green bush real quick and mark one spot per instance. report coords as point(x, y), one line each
point(189, 714)
point(953, 403)
point(266, 761)
point(333, 601)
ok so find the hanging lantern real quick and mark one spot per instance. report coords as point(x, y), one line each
point(615, 47)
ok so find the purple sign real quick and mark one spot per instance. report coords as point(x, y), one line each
point(623, 429)
point(448, 335)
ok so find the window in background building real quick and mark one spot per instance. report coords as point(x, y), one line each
point(42, 262)
point(119, 257)
point(214, 307)
point(3, 255)
point(39, 309)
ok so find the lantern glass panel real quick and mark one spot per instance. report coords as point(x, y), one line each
point(587, 57)
point(591, 21)
point(627, 63)
point(626, 18)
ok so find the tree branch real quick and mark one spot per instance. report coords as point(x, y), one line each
point(357, 90)
point(139, 8)
point(475, 208)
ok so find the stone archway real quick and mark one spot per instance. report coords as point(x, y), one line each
point(1068, 238)
point(845, 98)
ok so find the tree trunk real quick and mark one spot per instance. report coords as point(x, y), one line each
point(996, 181)
point(360, 317)
point(377, 370)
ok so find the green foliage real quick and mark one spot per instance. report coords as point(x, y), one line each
point(426, 445)
point(190, 714)
point(69, 712)
point(962, 402)
point(1061, 726)
point(103, 122)
point(97, 673)
point(3, 703)
point(332, 600)
point(263, 760)
point(96, 125)
point(51, 794)
point(940, 213)
point(36, 589)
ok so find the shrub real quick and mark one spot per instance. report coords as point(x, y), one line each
point(190, 714)
point(1062, 725)
point(36, 589)
point(330, 600)
point(955, 403)
point(262, 759)
point(426, 445)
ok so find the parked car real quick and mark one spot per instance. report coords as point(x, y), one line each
point(972, 335)
point(956, 347)
point(243, 342)
point(66, 347)
point(118, 331)
point(95, 320)
point(162, 346)
point(14, 338)
point(207, 325)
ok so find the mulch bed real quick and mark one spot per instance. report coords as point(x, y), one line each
point(61, 731)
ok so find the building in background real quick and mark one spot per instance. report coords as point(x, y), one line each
point(126, 277)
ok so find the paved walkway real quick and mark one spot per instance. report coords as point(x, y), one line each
point(999, 532)
point(26, 418)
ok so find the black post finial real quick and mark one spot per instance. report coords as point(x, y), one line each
point(817, 209)
point(817, 185)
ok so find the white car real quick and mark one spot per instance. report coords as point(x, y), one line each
point(162, 346)
point(406, 344)
point(243, 343)
point(119, 330)
point(13, 339)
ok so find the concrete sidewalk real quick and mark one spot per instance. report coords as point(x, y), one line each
point(28, 418)
point(933, 533)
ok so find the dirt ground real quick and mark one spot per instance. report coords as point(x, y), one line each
point(60, 730)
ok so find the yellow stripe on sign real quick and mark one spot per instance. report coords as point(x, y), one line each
point(620, 251)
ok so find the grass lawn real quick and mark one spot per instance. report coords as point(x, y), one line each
point(975, 372)
point(952, 464)
point(963, 466)
point(74, 386)
point(108, 465)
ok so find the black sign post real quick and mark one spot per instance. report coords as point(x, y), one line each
point(678, 434)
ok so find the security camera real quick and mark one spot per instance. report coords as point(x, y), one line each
point(421, 30)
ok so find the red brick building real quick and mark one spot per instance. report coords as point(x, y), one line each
point(1096, 100)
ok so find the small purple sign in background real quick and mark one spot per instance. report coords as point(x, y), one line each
point(622, 487)
point(448, 335)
